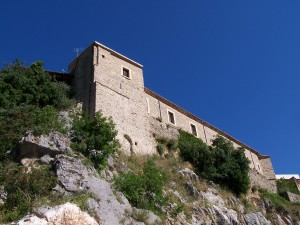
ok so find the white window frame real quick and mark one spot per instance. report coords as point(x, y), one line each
point(192, 124)
point(129, 72)
point(169, 111)
point(258, 166)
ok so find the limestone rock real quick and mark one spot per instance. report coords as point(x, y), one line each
point(3, 195)
point(256, 218)
point(67, 213)
point(36, 146)
point(46, 159)
point(189, 174)
point(110, 208)
point(212, 197)
point(147, 216)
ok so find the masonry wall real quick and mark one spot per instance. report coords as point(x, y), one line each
point(123, 99)
point(100, 86)
point(258, 179)
point(159, 110)
point(82, 68)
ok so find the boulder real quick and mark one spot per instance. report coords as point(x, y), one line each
point(67, 213)
point(109, 207)
point(36, 146)
point(189, 174)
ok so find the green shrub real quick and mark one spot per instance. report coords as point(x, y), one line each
point(94, 137)
point(15, 122)
point(171, 144)
point(287, 185)
point(24, 189)
point(160, 149)
point(29, 100)
point(144, 190)
point(31, 86)
point(220, 162)
point(280, 204)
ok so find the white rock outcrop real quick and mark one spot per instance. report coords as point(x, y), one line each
point(66, 214)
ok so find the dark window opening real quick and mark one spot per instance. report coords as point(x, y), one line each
point(171, 117)
point(126, 72)
point(194, 130)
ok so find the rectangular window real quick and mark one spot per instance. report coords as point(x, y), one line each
point(126, 72)
point(258, 166)
point(194, 129)
point(171, 117)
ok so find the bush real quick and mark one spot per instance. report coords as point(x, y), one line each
point(160, 149)
point(220, 162)
point(31, 86)
point(172, 144)
point(29, 100)
point(94, 137)
point(15, 122)
point(144, 190)
point(287, 185)
point(24, 189)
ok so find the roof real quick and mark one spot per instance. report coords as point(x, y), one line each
point(114, 53)
point(195, 118)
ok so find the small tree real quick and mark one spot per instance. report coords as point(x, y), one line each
point(94, 137)
point(220, 162)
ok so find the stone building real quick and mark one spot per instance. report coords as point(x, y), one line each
point(107, 81)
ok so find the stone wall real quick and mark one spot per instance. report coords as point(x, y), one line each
point(158, 108)
point(123, 99)
point(267, 168)
point(82, 68)
point(161, 129)
point(258, 179)
point(137, 111)
point(292, 197)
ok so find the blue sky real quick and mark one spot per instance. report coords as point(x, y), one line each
point(235, 64)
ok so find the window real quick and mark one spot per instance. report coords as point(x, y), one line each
point(258, 166)
point(171, 117)
point(126, 72)
point(194, 129)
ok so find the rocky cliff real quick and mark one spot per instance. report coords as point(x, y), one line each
point(191, 200)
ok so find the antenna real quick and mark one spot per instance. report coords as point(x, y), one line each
point(77, 51)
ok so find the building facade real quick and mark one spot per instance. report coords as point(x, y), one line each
point(107, 81)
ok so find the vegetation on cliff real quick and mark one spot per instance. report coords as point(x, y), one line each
point(220, 162)
point(29, 100)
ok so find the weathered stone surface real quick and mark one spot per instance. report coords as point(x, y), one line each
point(256, 218)
point(67, 213)
point(192, 190)
point(36, 146)
point(212, 198)
point(3, 195)
point(293, 197)
point(109, 208)
point(189, 174)
point(71, 172)
point(46, 159)
point(149, 217)
point(225, 216)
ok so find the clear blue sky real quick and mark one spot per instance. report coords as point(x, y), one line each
point(235, 64)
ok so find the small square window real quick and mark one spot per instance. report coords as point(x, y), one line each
point(171, 117)
point(126, 72)
point(194, 129)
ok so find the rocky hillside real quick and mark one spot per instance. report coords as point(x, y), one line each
point(83, 195)
point(59, 166)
